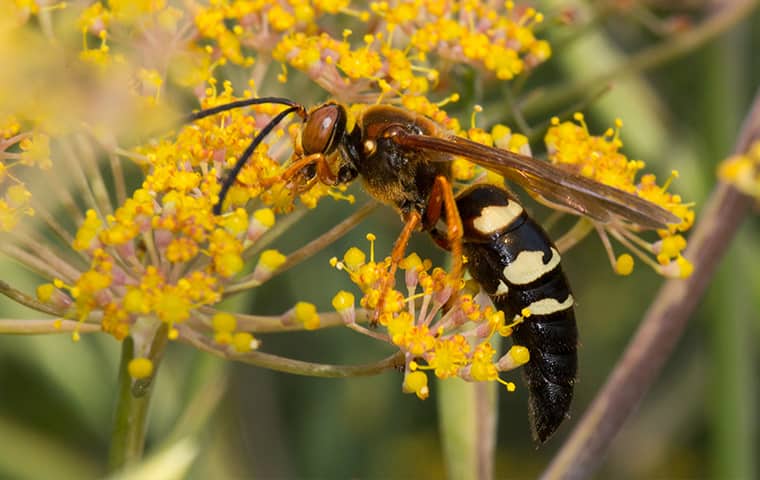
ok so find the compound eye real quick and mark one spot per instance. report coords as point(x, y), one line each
point(393, 130)
point(323, 129)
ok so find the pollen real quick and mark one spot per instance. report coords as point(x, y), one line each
point(140, 368)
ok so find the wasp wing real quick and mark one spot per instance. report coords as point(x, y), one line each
point(543, 180)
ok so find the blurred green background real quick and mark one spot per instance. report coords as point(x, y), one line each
point(700, 419)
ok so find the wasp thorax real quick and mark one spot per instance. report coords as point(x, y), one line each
point(323, 129)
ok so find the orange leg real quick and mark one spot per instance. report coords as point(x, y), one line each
point(324, 174)
point(397, 254)
point(442, 195)
point(454, 227)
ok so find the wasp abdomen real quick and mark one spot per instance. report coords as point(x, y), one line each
point(518, 266)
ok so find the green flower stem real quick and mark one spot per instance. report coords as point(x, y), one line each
point(130, 420)
point(670, 49)
point(287, 365)
point(661, 328)
point(729, 404)
point(467, 417)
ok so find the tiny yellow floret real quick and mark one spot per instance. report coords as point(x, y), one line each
point(265, 216)
point(134, 301)
point(686, 268)
point(343, 301)
point(411, 262)
point(306, 313)
point(224, 322)
point(417, 382)
point(45, 292)
point(519, 355)
point(624, 264)
point(271, 259)
point(244, 342)
point(354, 258)
point(140, 368)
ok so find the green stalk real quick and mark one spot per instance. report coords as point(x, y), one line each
point(467, 415)
point(731, 418)
point(130, 420)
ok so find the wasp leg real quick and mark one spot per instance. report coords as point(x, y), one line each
point(322, 173)
point(413, 222)
point(442, 196)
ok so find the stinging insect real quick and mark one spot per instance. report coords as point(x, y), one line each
point(404, 160)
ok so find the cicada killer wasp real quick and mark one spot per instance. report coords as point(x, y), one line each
point(404, 160)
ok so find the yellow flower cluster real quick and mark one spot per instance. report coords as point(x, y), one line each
point(164, 253)
point(395, 57)
point(599, 157)
point(456, 344)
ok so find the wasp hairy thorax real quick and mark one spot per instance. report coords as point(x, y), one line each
point(404, 160)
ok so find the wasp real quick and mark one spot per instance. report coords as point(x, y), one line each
point(404, 160)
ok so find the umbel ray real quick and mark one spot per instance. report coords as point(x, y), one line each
point(404, 160)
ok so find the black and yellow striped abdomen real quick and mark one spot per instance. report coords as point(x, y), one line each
point(516, 263)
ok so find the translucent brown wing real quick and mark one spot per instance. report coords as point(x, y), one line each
point(542, 180)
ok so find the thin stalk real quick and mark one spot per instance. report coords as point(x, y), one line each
point(22, 298)
point(279, 323)
point(310, 248)
point(287, 365)
point(45, 326)
point(38, 257)
point(662, 326)
point(89, 162)
point(130, 420)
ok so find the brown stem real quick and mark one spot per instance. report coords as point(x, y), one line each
point(662, 327)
